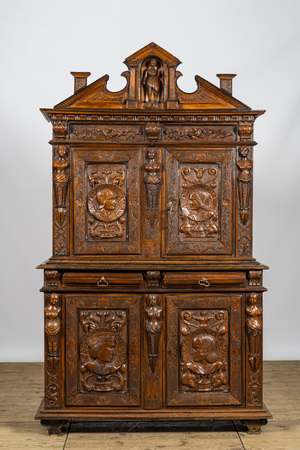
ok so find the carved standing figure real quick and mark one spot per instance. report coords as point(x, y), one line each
point(244, 179)
point(152, 181)
point(254, 330)
point(152, 81)
point(153, 328)
point(61, 177)
point(52, 329)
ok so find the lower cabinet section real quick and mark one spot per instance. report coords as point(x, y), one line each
point(164, 355)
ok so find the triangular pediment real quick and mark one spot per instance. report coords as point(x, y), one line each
point(160, 93)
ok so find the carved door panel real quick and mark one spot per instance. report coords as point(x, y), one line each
point(204, 365)
point(103, 350)
point(106, 202)
point(199, 206)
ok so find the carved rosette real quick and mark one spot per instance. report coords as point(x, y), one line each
point(199, 201)
point(204, 350)
point(60, 188)
point(245, 130)
point(153, 328)
point(107, 201)
point(254, 334)
point(103, 351)
point(53, 349)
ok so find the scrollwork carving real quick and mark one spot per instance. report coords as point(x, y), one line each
point(198, 133)
point(152, 181)
point(244, 184)
point(153, 328)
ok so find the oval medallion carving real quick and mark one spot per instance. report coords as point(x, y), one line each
point(106, 202)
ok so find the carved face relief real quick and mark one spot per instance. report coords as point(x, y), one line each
point(106, 203)
point(199, 201)
point(204, 347)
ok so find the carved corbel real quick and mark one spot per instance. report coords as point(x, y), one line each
point(153, 278)
point(153, 131)
point(152, 182)
point(153, 328)
point(254, 331)
point(245, 130)
point(52, 278)
point(60, 129)
point(255, 277)
point(244, 184)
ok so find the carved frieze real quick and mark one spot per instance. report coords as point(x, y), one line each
point(106, 133)
point(103, 351)
point(153, 328)
point(199, 133)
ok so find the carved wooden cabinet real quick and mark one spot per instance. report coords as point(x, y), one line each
point(153, 301)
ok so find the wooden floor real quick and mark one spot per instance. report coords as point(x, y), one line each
point(21, 386)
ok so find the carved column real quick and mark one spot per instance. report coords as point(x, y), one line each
point(60, 188)
point(52, 350)
point(254, 337)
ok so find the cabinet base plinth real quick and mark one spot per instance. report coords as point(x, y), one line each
point(56, 420)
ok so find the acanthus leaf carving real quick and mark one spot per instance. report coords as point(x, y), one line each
point(153, 328)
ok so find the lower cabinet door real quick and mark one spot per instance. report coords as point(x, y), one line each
point(204, 350)
point(102, 350)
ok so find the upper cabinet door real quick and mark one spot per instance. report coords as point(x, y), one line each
point(106, 202)
point(199, 195)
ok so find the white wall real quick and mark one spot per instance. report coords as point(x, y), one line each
point(43, 41)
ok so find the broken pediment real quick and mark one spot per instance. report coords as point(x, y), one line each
point(151, 84)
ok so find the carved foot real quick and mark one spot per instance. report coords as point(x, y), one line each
point(54, 426)
point(254, 426)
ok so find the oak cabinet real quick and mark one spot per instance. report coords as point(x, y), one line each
point(153, 299)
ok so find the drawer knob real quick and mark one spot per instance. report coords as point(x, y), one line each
point(102, 282)
point(204, 282)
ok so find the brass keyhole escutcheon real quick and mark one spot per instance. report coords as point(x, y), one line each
point(102, 282)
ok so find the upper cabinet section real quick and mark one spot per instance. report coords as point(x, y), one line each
point(151, 85)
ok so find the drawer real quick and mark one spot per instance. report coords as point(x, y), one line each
point(204, 279)
point(102, 279)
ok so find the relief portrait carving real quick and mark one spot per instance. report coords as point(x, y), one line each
point(103, 352)
point(199, 202)
point(106, 202)
point(152, 81)
point(203, 351)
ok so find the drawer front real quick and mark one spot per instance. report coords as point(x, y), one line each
point(204, 350)
point(204, 279)
point(102, 279)
point(103, 350)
